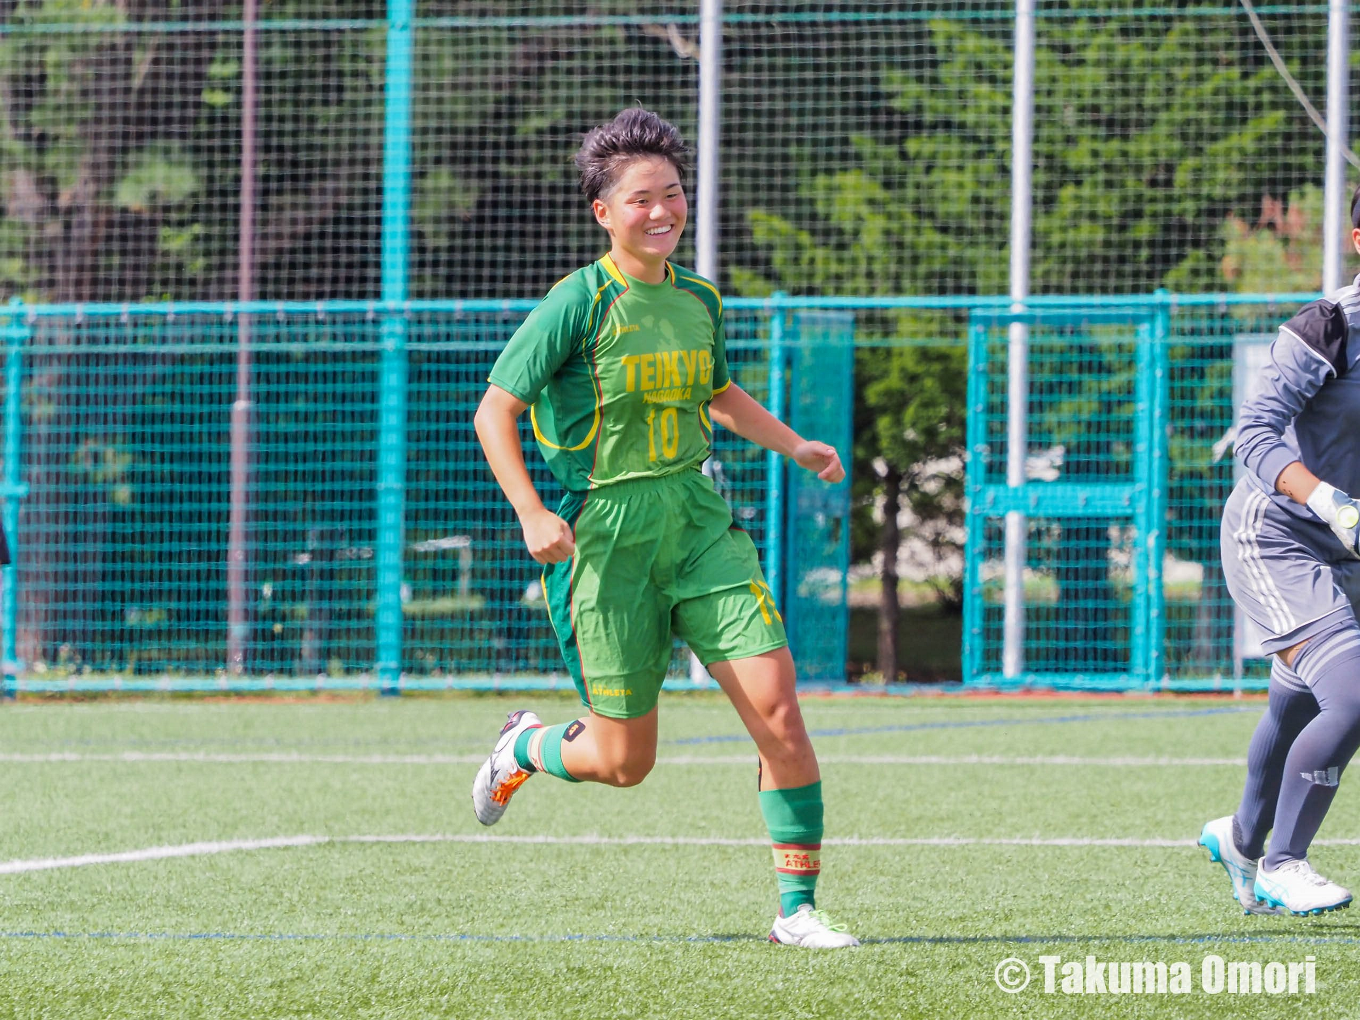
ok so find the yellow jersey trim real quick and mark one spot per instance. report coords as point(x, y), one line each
point(613, 270)
point(594, 427)
point(594, 382)
point(701, 282)
point(722, 388)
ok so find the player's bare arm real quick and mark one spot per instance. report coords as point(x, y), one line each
point(1297, 482)
point(736, 410)
point(547, 536)
point(1337, 509)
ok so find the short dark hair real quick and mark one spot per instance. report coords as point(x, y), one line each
point(633, 134)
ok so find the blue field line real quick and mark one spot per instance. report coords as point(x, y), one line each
point(927, 940)
point(336, 747)
point(854, 731)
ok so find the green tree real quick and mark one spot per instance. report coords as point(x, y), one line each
point(910, 417)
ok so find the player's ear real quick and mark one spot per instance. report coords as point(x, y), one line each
point(601, 212)
point(1355, 240)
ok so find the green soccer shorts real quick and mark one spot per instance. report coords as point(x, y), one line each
point(655, 557)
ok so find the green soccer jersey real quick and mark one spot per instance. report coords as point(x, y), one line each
point(618, 374)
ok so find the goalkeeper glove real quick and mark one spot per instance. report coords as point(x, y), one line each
point(1341, 513)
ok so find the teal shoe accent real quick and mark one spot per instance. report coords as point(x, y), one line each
point(1263, 894)
point(1210, 842)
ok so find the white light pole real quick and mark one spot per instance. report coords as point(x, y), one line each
point(1017, 382)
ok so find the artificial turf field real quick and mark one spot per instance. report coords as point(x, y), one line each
point(975, 830)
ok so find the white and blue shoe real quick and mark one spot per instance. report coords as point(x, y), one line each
point(1217, 838)
point(1294, 886)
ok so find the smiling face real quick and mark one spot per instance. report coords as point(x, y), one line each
point(644, 214)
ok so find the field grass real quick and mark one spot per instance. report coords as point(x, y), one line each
point(581, 923)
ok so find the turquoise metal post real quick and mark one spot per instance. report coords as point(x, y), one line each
point(15, 336)
point(1159, 476)
point(1143, 524)
point(774, 500)
point(396, 220)
point(975, 476)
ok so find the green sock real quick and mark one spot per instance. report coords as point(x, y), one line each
point(522, 758)
point(794, 818)
point(540, 749)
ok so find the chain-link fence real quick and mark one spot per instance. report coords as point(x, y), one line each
point(406, 152)
point(1132, 414)
point(126, 471)
point(122, 429)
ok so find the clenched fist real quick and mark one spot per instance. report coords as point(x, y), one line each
point(548, 537)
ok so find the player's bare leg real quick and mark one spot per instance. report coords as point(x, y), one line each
point(762, 689)
point(595, 749)
point(616, 752)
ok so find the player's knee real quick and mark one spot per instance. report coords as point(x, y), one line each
point(631, 774)
point(629, 771)
point(784, 720)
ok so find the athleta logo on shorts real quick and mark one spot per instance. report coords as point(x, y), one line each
point(1324, 777)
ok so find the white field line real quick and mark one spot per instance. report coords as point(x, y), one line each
point(297, 758)
point(156, 853)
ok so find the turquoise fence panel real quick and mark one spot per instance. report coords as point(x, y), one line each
point(816, 613)
point(1204, 644)
point(1178, 629)
point(1086, 497)
point(125, 485)
point(116, 485)
point(127, 456)
point(12, 489)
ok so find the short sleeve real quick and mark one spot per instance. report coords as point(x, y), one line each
point(550, 335)
point(721, 377)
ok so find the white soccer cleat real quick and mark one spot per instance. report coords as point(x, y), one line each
point(1296, 887)
point(500, 775)
point(1217, 838)
point(811, 929)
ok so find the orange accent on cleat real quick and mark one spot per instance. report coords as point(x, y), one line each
point(503, 791)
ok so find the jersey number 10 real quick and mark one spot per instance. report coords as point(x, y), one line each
point(670, 433)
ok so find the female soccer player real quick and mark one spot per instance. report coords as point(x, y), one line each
point(623, 367)
point(1291, 557)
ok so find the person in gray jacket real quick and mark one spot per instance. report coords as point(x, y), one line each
point(1291, 558)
